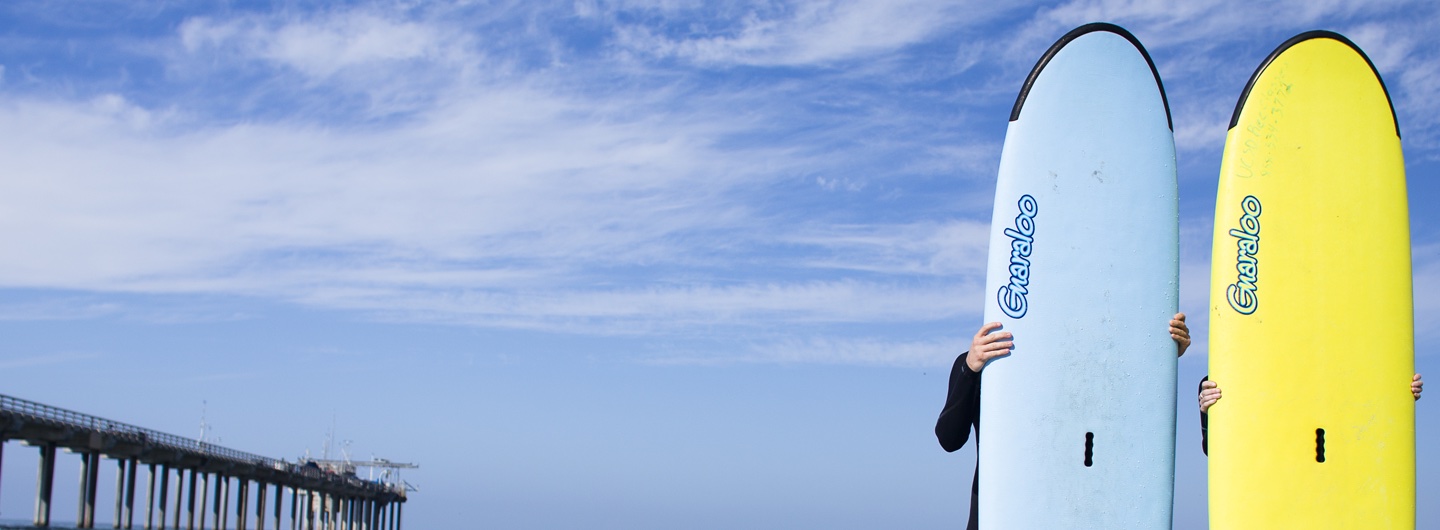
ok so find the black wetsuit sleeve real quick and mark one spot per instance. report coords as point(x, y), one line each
point(961, 413)
point(1204, 423)
point(962, 407)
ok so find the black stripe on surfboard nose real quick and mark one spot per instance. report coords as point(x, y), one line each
point(1075, 34)
point(1313, 34)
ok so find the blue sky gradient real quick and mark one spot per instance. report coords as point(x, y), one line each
point(630, 264)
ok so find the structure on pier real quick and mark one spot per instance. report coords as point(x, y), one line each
point(389, 475)
point(320, 499)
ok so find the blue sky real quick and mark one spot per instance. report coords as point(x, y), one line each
point(632, 264)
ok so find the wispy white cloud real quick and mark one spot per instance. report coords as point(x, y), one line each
point(365, 62)
point(56, 308)
point(1408, 58)
point(48, 359)
point(321, 46)
point(224, 377)
point(866, 351)
point(808, 34)
point(954, 249)
point(1206, 25)
point(1195, 303)
point(667, 308)
point(832, 350)
point(500, 176)
point(1426, 266)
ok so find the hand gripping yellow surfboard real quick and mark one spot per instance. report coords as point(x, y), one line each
point(1311, 311)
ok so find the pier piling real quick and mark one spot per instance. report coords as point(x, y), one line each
point(84, 489)
point(190, 501)
point(129, 494)
point(44, 485)
point(279, 502)
point(217, 502)
point(204, 497)
point(222, 504)
point(119, 493)
point(179, 496)
point(164, 494)
point(89, 485)
point(150, 497)
point(242, 497)
point(260, 506)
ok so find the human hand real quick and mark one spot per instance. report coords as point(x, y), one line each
point(1180, 332)
point(986, 346)
point(1209, 394)
point(1416, 385)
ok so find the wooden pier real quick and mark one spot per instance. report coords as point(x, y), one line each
point(319, 499)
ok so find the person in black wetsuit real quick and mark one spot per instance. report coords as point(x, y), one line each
point(1210, 393)
point(962, 403)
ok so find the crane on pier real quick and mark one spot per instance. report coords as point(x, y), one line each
point(390, 473)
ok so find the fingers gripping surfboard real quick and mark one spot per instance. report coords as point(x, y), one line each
point(1079, 421)
point(1311, 265)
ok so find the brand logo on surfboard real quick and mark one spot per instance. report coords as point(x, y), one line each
point(1022, 240)
point(1241, 294)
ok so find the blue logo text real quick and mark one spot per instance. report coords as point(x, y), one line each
point(1022, 239)
point(1241, 294)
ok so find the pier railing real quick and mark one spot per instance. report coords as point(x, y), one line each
point(70, 418)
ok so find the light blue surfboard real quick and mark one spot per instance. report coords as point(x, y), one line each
point(1078, 423)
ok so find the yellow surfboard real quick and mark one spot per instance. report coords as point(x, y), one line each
point(1311, 311)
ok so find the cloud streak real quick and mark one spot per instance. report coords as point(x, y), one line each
point(44, 360)
point(806, 34)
